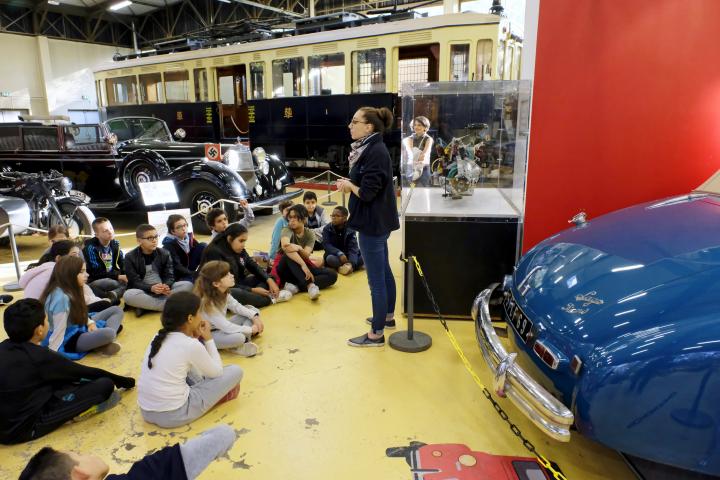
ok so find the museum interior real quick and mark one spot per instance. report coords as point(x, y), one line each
point(345, 239)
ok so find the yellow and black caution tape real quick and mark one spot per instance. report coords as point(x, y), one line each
point(549, 466)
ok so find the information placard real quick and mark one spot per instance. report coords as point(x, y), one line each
point(158, 193)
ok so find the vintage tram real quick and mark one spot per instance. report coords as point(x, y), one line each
point(295, 94)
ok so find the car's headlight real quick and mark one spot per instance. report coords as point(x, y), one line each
point(265, 168)
point(278, 184)
point(66, 184)
point(232, 159)
point(258, 189)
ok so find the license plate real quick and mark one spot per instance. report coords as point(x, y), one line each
point(515, 317)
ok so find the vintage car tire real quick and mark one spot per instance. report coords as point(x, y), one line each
point(78, 218)
point(136, 172)
point(198, 195)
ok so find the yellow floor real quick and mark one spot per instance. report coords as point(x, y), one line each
point(313, 408)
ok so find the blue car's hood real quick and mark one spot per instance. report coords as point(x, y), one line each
point(624, 271)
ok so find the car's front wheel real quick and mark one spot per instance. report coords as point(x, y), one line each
point(200, 197)
point(137, 172)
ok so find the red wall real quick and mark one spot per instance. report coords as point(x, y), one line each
point(626, 106)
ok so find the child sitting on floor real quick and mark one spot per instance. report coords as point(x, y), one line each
point(213, 287)
point(217, 219)
point(342, 251)
point(178, 462)
point(316, 220)
point(71, 332)
point(150, 273)
point(41, 390)
point(184, 250)
point(37, 276)
point(280, 223)
point(182, 378)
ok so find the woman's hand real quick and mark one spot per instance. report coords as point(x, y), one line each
point(344, 185)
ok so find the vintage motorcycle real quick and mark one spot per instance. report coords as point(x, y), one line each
point(41, 200)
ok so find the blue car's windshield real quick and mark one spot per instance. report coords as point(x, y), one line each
point(139, 128)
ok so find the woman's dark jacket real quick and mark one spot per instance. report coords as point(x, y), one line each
point(240, 263)
point(374, 211)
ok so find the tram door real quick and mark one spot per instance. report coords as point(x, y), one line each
point(233, 101)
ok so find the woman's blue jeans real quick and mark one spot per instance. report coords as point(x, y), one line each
point(374, 252)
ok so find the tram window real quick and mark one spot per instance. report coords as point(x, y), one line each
point(501, 60)
point(151, 88)
point(257, 80)
point(368, 67)
point(121, 91)
point(176, 86)
point(459, 62)
point(412, 70)
point(327, 74)
point(484, 57)
point(287, 75)
point(201, 85)
point(101, 97)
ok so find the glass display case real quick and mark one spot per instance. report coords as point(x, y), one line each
point(463, 185)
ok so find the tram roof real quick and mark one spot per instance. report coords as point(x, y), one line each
point(372, 30)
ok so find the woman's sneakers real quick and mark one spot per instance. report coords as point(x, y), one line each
point(366, 341)
point(389, 322)
point(247, 349)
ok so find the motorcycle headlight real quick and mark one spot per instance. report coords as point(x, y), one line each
point(258, 189)
point(278, 184)
point(232, 159)
point(265, 168)
point(66, 184)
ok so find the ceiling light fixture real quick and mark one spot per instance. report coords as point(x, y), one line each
point(119, 5)
point(225, 1)
point(53, 2)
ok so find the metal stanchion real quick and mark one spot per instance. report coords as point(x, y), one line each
point(328, 202)
point(14, 286)
point(410, 341)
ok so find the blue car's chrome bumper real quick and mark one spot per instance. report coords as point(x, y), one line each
point(511, 381)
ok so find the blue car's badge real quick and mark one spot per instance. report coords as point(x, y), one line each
point(587, 299)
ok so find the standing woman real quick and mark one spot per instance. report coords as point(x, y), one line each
point(373, 214)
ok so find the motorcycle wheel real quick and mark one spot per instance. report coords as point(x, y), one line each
point(78, 218)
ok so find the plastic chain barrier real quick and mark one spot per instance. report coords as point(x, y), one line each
point(549, 466)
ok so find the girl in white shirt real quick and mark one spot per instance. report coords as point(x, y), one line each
point(182, 375)
point(213, 287)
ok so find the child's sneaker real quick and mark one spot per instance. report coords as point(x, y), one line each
point(112, 400)
point(292, 288)
point(247, 349)
point(313, 292)
point(109, 350)
point(345, 269)
point(284, 295)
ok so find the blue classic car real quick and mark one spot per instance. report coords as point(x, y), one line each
point(615, 331)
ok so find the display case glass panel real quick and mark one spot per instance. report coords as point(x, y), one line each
point(462, 172)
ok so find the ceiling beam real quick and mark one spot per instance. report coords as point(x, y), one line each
point(272, 9)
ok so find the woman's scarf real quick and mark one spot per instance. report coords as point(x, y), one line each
point(357, 148)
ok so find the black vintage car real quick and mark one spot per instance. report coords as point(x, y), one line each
point(108, 161)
